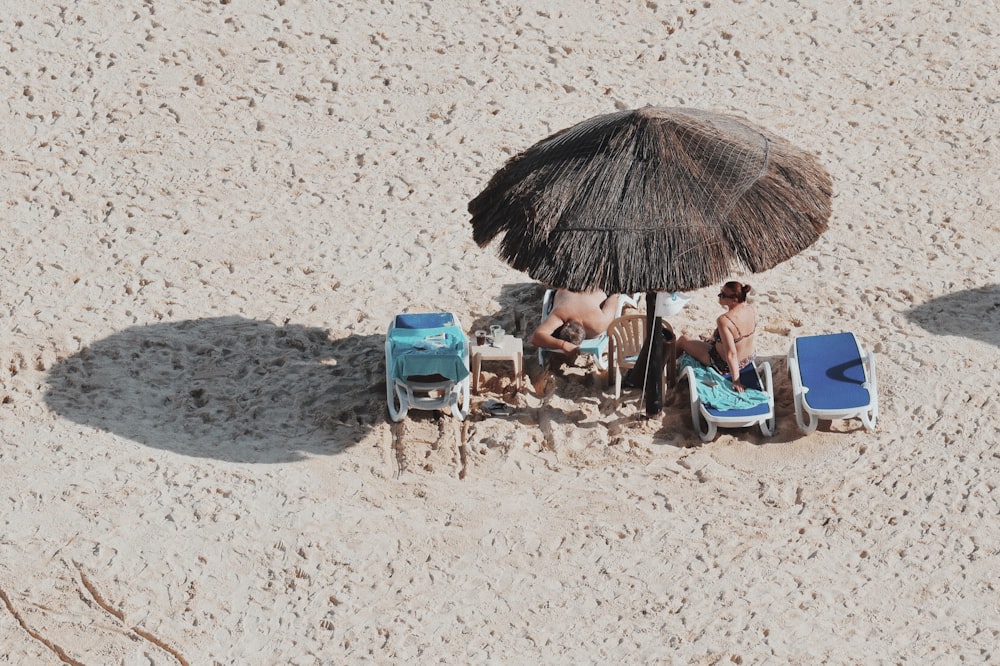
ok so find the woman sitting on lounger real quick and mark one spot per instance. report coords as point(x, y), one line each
point(731, 348)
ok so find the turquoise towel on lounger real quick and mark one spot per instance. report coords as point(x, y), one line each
point(418, 363)
point(425, 352)
point(717, 392)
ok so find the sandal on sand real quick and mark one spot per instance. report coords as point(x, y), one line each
point(497, 408)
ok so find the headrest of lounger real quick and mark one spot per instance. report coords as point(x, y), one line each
point(424, 320)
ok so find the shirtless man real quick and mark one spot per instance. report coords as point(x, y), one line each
point(574, 317)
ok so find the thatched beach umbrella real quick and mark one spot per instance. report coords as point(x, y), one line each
point(654, 199)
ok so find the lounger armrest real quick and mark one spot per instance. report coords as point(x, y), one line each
point(872, 383)
point(793, 370)
point(767, 379)
point(547, 302)
point(631, 301)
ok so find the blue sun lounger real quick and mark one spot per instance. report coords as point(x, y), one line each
point(426, 364)
point(734, 410)
point(832, 378)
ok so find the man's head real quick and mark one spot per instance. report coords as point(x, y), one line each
point(572, 332)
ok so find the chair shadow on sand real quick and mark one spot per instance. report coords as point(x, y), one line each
point(227, 388)
point(972, 313)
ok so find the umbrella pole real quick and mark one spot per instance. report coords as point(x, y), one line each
point(648, 369)
point(652, 384)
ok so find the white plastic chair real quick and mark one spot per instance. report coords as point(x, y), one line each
point(628, 334)
point(427, 364)
point(832, 378)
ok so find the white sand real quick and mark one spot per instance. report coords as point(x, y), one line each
point(212, 211)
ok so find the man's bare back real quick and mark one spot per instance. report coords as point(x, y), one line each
point(594, 310)
point(585, 307)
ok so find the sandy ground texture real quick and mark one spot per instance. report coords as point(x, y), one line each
point(212, 210)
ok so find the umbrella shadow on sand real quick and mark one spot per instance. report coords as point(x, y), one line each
point(227, 388)
point(519, 313)
point(972, 313)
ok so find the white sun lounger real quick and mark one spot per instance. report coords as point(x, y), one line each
point(832, 378)
point(426, 364)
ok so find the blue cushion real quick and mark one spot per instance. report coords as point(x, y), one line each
point(831, 368)
point(595, 346)
point(424, 320)
point(757, 410)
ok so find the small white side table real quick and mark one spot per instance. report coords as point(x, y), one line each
point(510, 349)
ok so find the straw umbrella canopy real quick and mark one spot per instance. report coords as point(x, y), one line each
point(653, 199)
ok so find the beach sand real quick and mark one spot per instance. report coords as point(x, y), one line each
point(214, 209)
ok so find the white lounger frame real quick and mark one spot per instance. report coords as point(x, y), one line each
point(707, 424)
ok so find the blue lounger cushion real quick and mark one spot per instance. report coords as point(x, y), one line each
point(831, 368)
point(424, 320)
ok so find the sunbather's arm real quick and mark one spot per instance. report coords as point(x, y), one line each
point(609, 310)
point(610, 305)
point(732, 357)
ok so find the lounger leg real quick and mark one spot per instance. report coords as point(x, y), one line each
point(768, 426)
point(805, 427)
point(460, 403)
point(871, 416)
point(708, 434)
point(601, 360)
point(696, 419)
point(397, 403)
